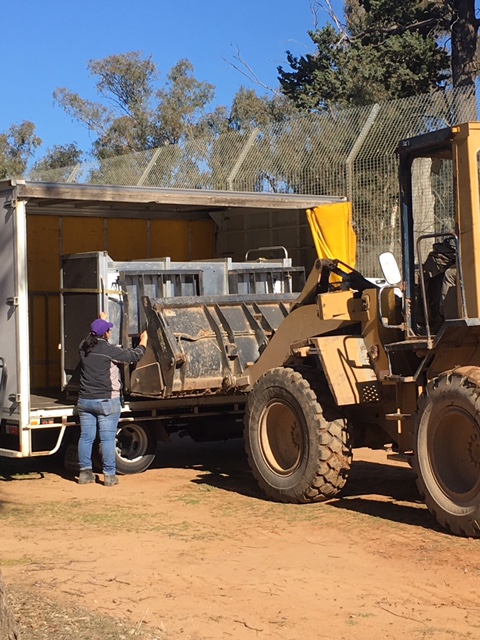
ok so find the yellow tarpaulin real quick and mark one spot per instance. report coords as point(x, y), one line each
point(333, 235)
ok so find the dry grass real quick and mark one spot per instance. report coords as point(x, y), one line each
point(39, 618)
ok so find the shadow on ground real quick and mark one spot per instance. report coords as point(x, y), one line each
point(383, 490)
point(386, 491)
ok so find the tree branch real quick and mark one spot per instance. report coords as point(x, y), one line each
point(400, 29)
point(326, 6)
point(246, 70)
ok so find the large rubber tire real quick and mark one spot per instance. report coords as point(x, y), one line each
point(296, 441)
point(136, 448)
point(447, 451)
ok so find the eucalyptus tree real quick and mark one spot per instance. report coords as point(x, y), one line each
point(133, 113)
point(58, 164)
point(17, 146)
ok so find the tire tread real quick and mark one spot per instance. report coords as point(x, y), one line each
point(466, 388)
point(333, 451)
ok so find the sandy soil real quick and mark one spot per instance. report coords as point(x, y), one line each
point(190, 549)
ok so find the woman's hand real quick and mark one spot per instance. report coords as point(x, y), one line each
point(143, 339)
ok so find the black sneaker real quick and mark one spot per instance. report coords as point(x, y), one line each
point(86, 476)
point(110, 481)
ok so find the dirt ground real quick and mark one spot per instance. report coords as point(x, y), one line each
point(190, 549)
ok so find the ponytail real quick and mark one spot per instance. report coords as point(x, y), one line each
point(89, 343)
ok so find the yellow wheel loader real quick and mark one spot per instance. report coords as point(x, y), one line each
point(355, 364)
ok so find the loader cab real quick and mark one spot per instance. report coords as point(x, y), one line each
point(440, 217)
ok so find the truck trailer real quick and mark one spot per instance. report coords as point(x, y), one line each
point(62, 250)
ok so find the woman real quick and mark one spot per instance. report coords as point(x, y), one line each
point(99, 398)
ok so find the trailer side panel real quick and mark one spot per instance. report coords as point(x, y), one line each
point(9, 308)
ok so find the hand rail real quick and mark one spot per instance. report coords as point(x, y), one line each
point(279, 247)
point(3, 382)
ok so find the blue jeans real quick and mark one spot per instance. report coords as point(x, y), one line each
point(104, 414)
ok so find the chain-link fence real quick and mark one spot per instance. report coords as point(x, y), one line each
point(349, 152)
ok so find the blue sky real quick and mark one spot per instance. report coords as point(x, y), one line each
point(47, 44)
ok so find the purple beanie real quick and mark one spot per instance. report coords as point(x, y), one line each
point(99, 327)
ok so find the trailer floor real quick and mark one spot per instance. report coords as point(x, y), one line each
point(49, 400)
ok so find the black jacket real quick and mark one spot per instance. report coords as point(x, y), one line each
point(100, 375)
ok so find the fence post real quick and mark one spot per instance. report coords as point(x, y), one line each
point(372, 116)
point(75, 171)
point(150, 166)
point(241, 157)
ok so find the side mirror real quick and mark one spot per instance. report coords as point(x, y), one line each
point(390, 269)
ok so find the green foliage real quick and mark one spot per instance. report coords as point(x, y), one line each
point(181, 105)
point(58, 163)
point(388, 50)
point(134, 114)
point(125, 80)
point(122, 124)
point(316, 79)
point(17, 146)
point(60, 155)
point(251, 110)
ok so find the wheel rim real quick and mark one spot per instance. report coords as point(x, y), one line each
point(132, 442)
point(281, 438)
point(455, 454)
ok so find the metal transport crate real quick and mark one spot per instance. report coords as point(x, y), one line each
point(93, 282)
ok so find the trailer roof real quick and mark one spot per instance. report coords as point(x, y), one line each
point(86, 199)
